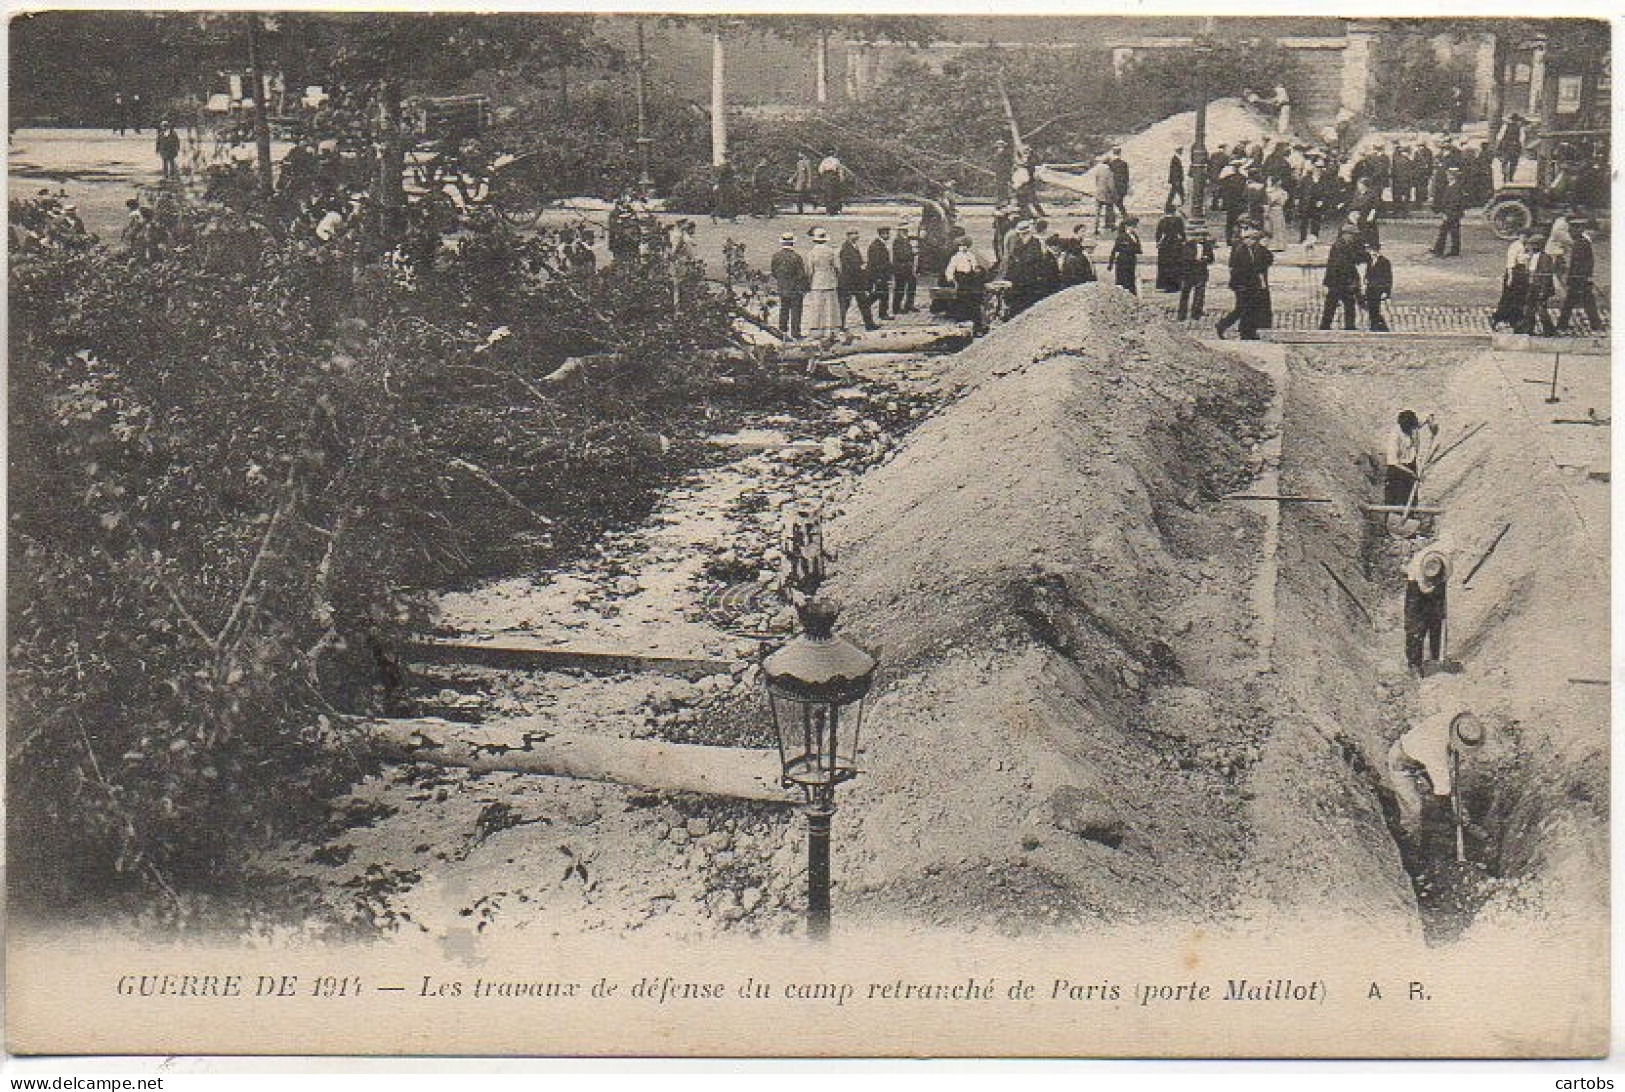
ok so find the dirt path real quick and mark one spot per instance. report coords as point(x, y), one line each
point(461, 856)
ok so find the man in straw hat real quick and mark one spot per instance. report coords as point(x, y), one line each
point(792, 279)
point(1426, 580)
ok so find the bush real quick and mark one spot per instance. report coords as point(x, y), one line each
point(234, 470)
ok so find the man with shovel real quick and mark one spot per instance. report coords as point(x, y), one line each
point(1426, 580)
point(1403, 465)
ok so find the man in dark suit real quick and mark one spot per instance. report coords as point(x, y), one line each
point(1582, 292)
point(1196, 254)
point(1537, 301)
point(792, 279)
point(1379, 287)
point(904, 275)
point(1250, 262)
point(1342, 279)
point(1120, 175)
point(1451, 202)
point(852, 281)
point(1176, 177)
point(879, 270)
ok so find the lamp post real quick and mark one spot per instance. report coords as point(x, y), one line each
point(1198, 191)
point(817, 688)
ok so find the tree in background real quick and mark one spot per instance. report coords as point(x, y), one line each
point(1416, 88)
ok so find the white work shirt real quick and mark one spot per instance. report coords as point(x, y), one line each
point(830, 165)
point(963, 261)
point(1429, 744)
point(1406, 450)
point(329, 226)
point(1516, 255)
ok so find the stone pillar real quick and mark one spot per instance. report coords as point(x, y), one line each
point(1356, 92)
point(1537, 78)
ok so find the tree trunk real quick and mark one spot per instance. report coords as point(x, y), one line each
point(821, 68)
point(719, 102)
point(1498, 85)
point(262, 124)
point(391, 192)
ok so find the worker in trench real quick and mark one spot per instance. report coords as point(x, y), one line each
point(1427, 769)
point(1427, 580)
point(1403, 458)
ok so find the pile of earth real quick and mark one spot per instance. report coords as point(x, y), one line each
point(1070, 701)
point(1229, 122)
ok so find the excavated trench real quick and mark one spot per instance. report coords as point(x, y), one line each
point(1534, 792)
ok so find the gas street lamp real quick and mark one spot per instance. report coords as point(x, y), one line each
point(817, 690)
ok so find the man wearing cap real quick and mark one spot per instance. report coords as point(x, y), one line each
point(879, 271)
point(904, 270)
point(792, 278)
point(824, 315)
point(1426, 579)
point(854, 281)
point(1342, 278)
point(1452, 204)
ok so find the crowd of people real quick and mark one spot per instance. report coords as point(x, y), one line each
point(817, 290)
point(1543, 268)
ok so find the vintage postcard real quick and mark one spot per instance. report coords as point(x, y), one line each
point(815, 534)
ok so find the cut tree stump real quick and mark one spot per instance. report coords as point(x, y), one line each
point(740, 773)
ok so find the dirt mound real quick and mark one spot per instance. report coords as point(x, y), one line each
point(1228, 121)
point(1062, 608)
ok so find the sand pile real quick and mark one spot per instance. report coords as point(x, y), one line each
point(1228, 121)
point(1061, 606)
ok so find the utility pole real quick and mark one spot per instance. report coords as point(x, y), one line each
point(719, 101)
point(262, 125)
point(645, 174)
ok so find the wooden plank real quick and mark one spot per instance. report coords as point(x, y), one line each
point(1591, 682)
point(1277, 497)
point(1381, 509)
point(598, 661)
point(740, 773)
point(1348, 592)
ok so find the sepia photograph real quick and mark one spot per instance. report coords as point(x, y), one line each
point(811, 534)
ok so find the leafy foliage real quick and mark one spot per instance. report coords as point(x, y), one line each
point(231, 467)
point(1416, 87)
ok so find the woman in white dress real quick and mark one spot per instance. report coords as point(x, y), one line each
point(823, 304)
point(1275, 214)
